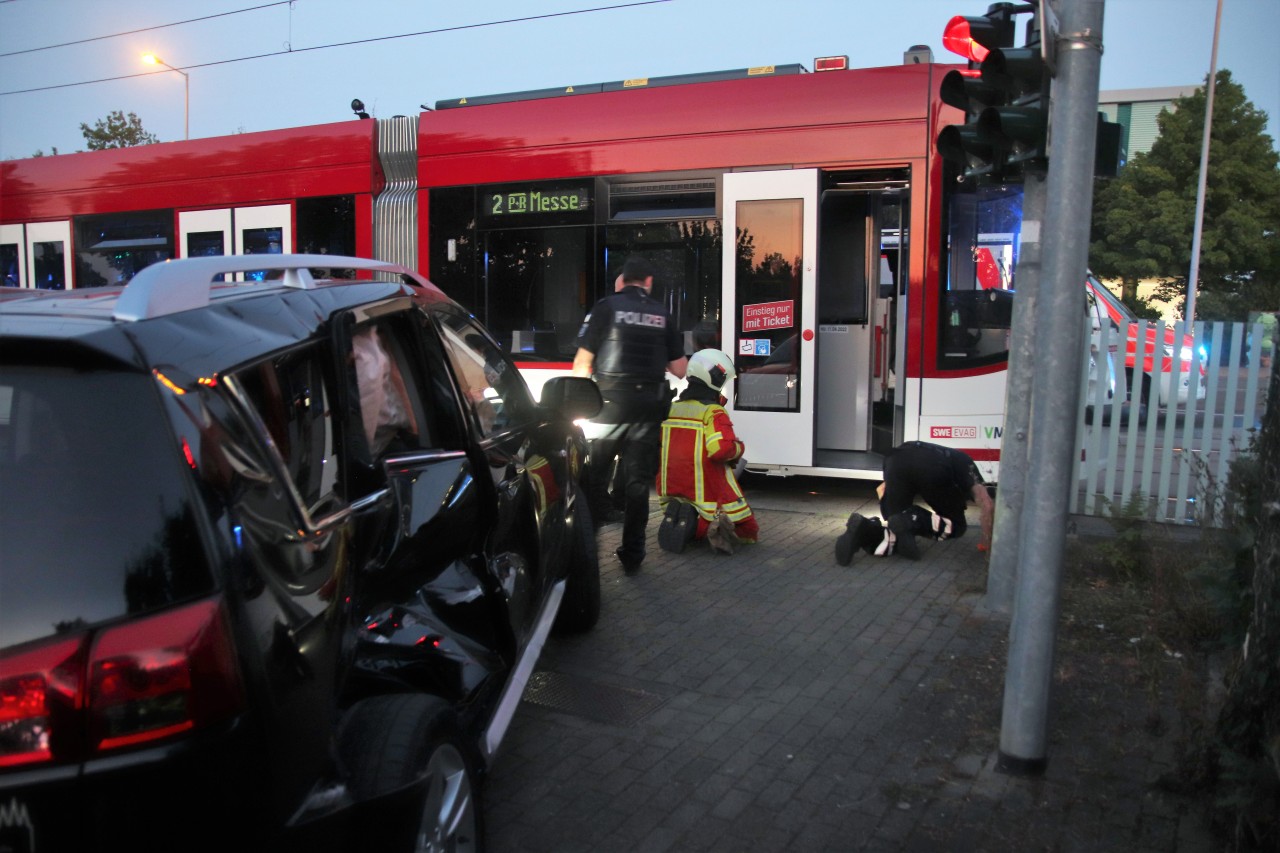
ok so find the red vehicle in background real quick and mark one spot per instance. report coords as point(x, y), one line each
point(1175, 359)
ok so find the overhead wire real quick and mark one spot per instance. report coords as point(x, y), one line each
point(292, 50)
point(144, 29)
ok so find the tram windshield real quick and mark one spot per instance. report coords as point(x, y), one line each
point(979, 276)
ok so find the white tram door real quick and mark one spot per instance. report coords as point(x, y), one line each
point(47, 253)
point(769, 311)
point(259, 230)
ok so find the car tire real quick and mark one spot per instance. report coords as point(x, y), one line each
point(580, 608)
point(391, 742)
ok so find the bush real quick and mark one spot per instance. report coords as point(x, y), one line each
point(1205, 597)
point(1242, 755)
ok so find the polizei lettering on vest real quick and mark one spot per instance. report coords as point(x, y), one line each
point(635, 318)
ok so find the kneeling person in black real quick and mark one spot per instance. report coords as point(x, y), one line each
point(944, 478)
point(627, 344)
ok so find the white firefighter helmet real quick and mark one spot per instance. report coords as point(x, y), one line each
point(711, 366)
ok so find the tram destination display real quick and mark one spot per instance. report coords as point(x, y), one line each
point(557, 203)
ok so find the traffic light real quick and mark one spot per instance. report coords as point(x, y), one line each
point(1004, 95)
point(1109, 155)
point(1018, 128)
point(968, 145)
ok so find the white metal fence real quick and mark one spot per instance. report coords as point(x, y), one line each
point(1162, 449)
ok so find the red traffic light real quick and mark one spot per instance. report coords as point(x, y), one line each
point(958, 38)
point(973, 37)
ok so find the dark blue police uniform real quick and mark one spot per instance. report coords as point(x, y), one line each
point(943, 477)
point(632, 338)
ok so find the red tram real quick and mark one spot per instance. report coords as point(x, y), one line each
point(806, 217)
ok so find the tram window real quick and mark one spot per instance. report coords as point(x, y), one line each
point(887, 260)
point(262, 241)
point(111, 249)
point(536, 289)
point(453, 245)
point(893, 249)
point(327, 225)
point(770, 259)
point(9, 264)
point(977, 293)
point(685, 256)
point(842, 265)
point(49, 260)
point(205, 244)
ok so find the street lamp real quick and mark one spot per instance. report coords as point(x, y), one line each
point(152, 59)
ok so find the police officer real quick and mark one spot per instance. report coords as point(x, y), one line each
point(944, 478)
point(627, 344)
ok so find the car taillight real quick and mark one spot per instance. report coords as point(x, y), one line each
point(143, 681)
point(40, 694)
point(162, 676)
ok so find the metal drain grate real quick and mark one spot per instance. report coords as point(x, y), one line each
point(619, 706)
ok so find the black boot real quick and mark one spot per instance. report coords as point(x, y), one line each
point(902, 526)
point(859, 532)
point(678, 527)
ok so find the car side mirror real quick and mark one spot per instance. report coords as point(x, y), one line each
point(571, 397)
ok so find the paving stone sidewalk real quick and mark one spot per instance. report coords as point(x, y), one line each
point(774, 701)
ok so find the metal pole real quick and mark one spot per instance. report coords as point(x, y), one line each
point(1002, 570)
point(186, 102)
point(1060, 348)
point(1193, 279)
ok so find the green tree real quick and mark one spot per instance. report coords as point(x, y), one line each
point(116, 131)
point(1143, 220)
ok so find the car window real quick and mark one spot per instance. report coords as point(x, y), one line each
point(1096, 313)
point(1117, 309)
point(491, 384)
point(392, 416)
point(97, 519)
point(288, 395)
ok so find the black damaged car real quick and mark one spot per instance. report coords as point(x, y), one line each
point(281, 539)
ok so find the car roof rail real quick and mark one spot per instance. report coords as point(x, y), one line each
point(184, 284)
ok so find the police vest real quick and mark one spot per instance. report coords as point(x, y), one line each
point(635, 346)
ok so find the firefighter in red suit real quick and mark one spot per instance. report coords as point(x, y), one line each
point(696, 480)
